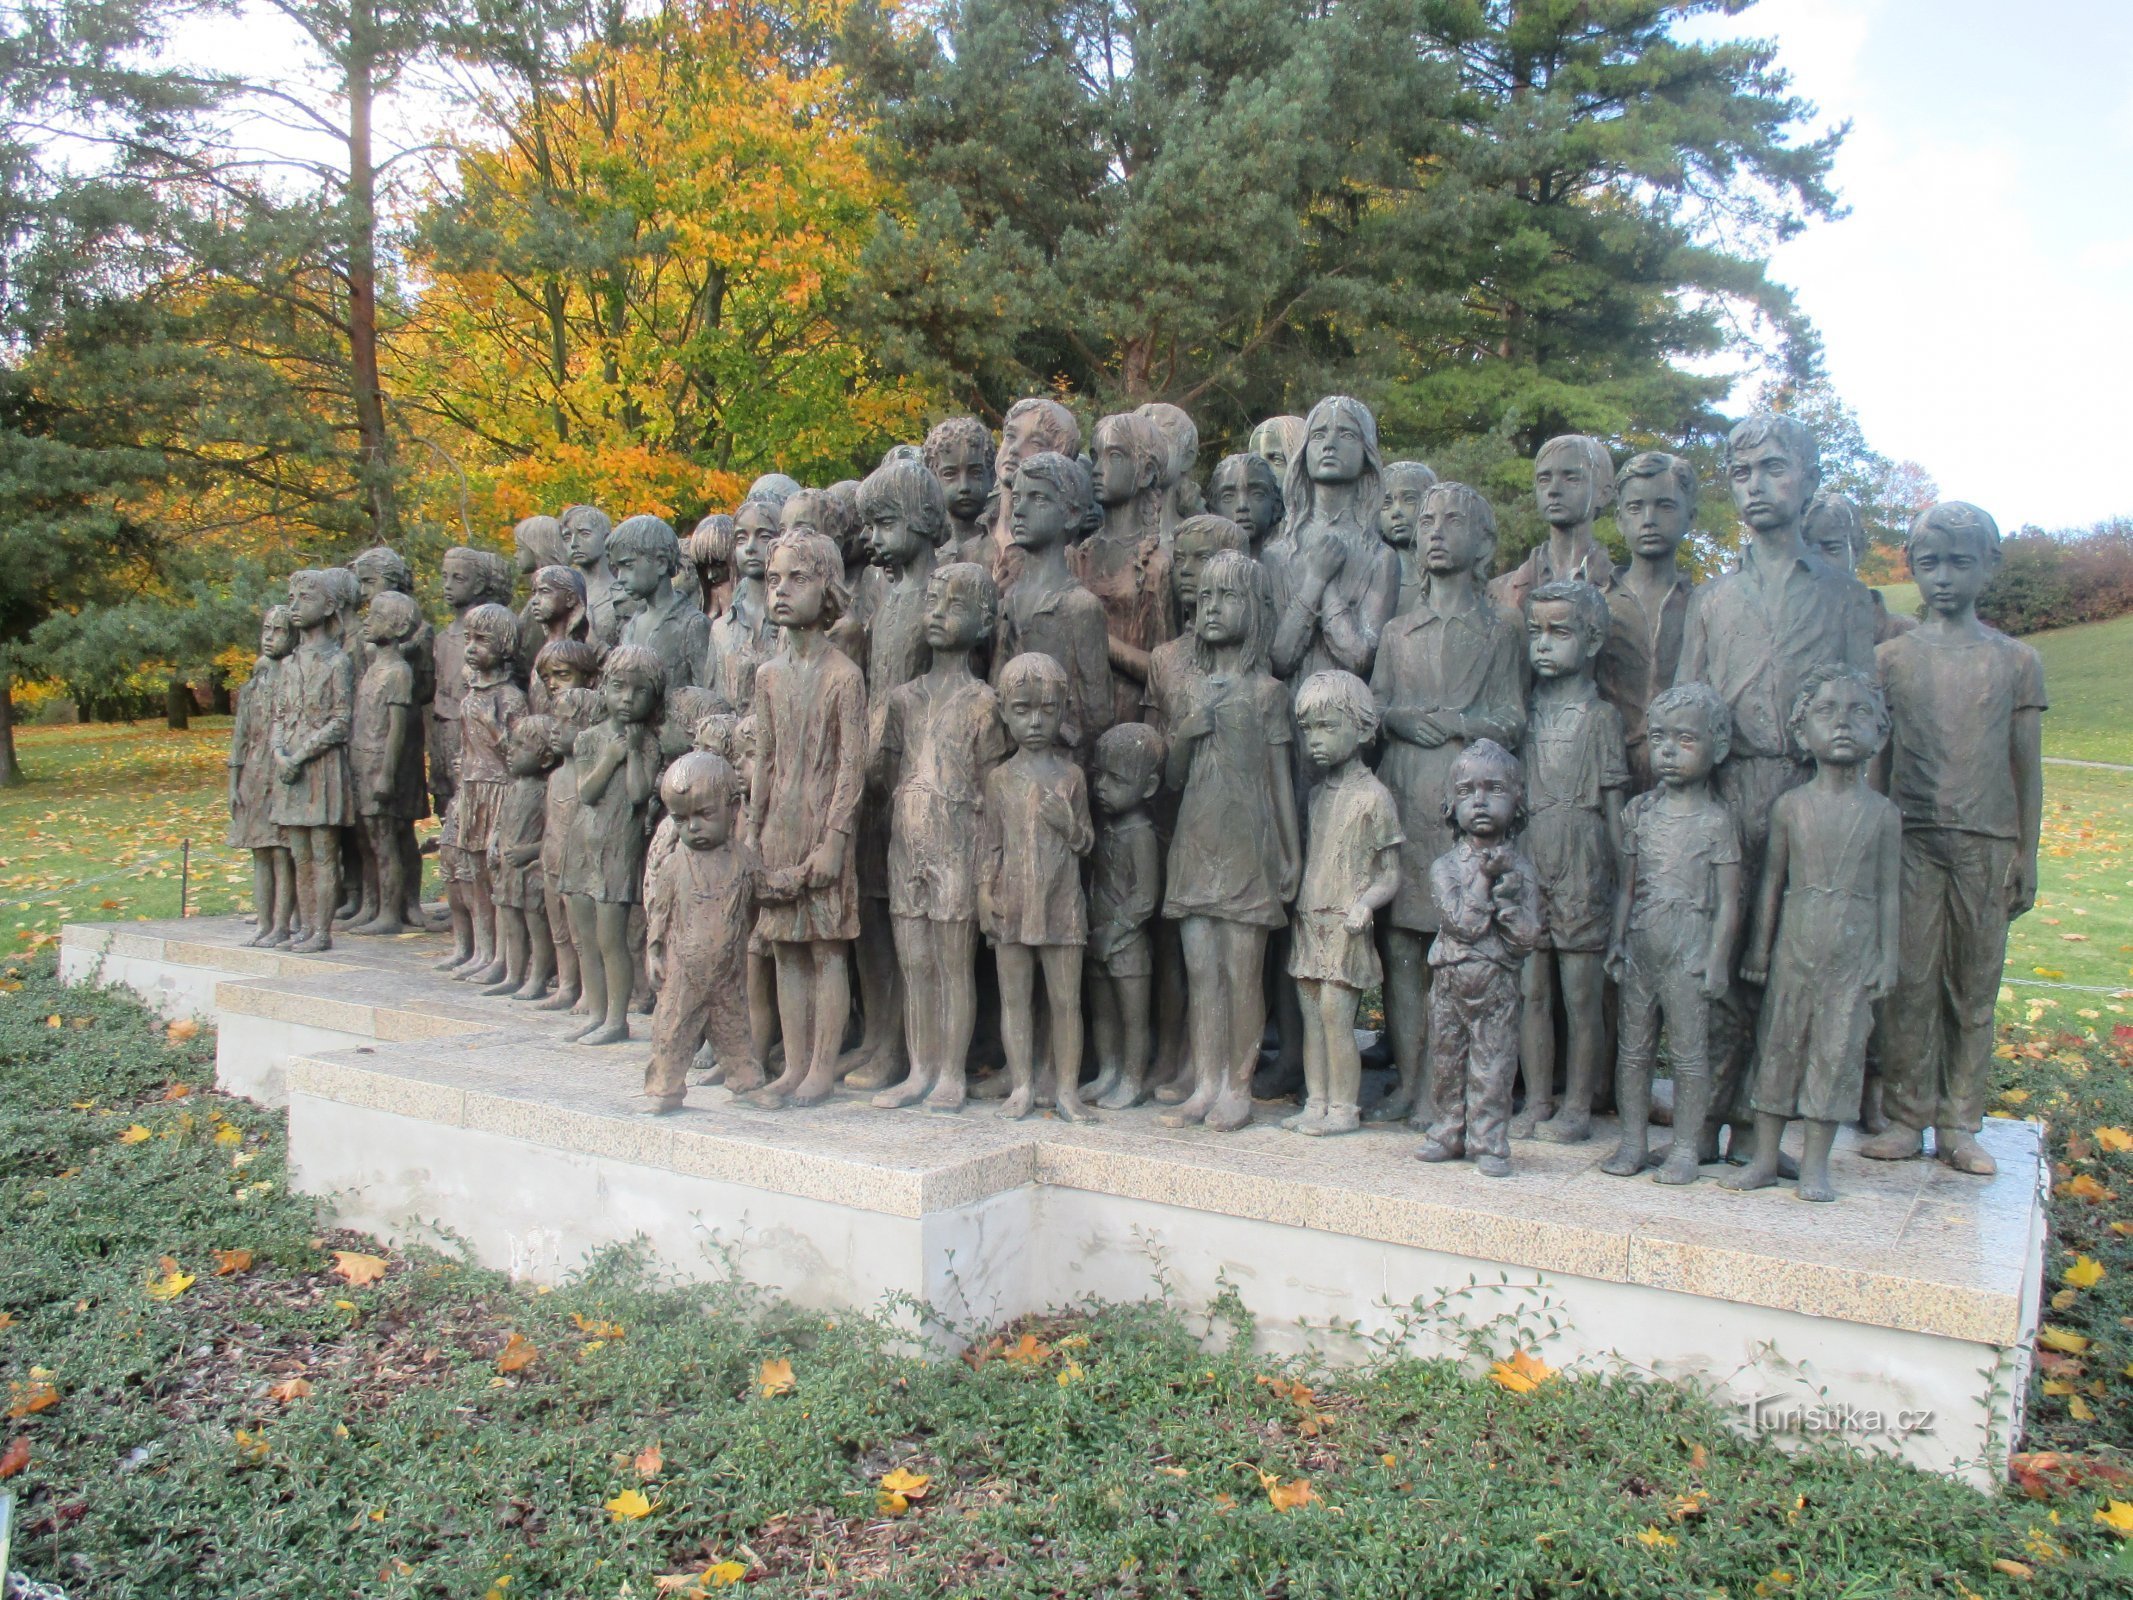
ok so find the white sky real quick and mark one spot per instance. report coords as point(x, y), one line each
point(1976, 305)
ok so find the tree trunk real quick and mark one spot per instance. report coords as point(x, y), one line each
point(10, 769)
point(218, 691)
point(374, 447)
point(178, 705)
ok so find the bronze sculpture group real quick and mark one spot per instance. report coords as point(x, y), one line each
point(778, 782)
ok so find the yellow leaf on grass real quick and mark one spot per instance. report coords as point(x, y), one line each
point(2064, 1340)
point(251, 1446)
point(2117, 1140)
point(629, 1505)
point(727, 1573)
point(135, 1135)
point(1290, 1496)
point(228, 1263)
point(290, 1389)
point(2080, 1410)
point(517, 1354)
point(1030, 1351)
point(774, 1377)
point(2118, 1517)
point(649, 1461)
point(2008, 1567)
point(228, 1135)
point(1773, 1582)
point(899, 1487)
point(172, 1283)
point(2083, 1187)
point(356, 1268)
point(183, 1029)
point(1522, 1374)
point(2085, 1273)
point(1656, 1539)
point(27, 1399)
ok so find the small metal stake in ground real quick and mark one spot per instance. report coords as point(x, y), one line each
point(185, 873)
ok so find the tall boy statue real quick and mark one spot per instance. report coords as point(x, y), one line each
point(1965, 769)
point(1655, 507)
point(1573, 482)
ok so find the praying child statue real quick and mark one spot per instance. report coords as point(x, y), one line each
point(1488, 922)
point(1823, 943)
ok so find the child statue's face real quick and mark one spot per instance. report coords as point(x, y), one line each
point(1770, 488)
point(309, 604)
point(1681, 746)
point(1333, 447)
point(1828, 537)
point(1245, 498)
point(1484, 799)
point(276, 639)
point(1951, 568)
point(954, 618)
point(1653, 516)
point(1556, 641)
point(1040, 513)
point(1187, 557)
point(754, 530)
point(640, 573)
point(1118, 791)
point(1270, 441)
point(1400, 522)
point(1025, 435)
point(1841, 726)
point(1451, 539)
point(1119, 476)
point(1222, 614)
point(1564, 487)
point(1032, 711)
point(1329, 736)
point(965, 471)
point(584, 541)
point(707, 824)
point(462, 584)
point(626, 698)
point(551, 604)
point(378, 627)
point(891, 541)
point(370, 583)
point(556, 676)
point(526, 758)
point(484, 653)
point(797, 591)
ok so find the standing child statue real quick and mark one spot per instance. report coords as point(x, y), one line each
point(615, 763)
point(1279, 440)
point(1573, 482)
point(709, 549)
point(1344, 582)
point(585, 531)
point(314, 791)
point(252, 785)
point(1125, 886)
point(1048, 611)
point(515, 861)
point(1965, 769)
point(959, 452)
point(1488, 922)
point(744, 637)
point(471, 578)
point(1836, 532)
point(699, 906)
point(385, 756)
point(1823, 942)
point(574, 705)
point(1677, 920)
point(377, 570)
point(939, 737)
point(557, 608)
point(490, 708)
point(1350, 873)
point(1407, 486)
point(810, 760)
point(1235, 857)
point(1576, 776)
point(646, 557)
point(1448, 672)
point(536, 542)
point(1036, 830)
point(1655, 507)
point(1032, 425)
point(1125, 562)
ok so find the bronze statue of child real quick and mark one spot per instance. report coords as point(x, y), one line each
point(491, 706)
point(1964, 767)
point(959, 452)
point(471, 578)
point(1823, 943)
point(1036, 830)
point(709, 549)
point(1678, 912)
point(1577, 772)
point(938, 738)
point(385, 757)
point(314, 791)
point(1488, 921)
point(1124, 563)
point(557, 609)
point(1235, 857)
point(1655, 509)
point(615, 763)
point(573, 707)
point(810, 763)
point(515, 861)
point(585, 531)
point(646, 558)
point(377, 570)
point(1407, 487)
point(252, 784)
point(1351, 871)
point(744, 637)
point(1047, 610)
point(699, 906)
point(1125, 886)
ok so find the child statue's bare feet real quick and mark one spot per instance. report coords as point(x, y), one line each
point(1019, 1104)
point(766, 1097)
point(814, 1089)
point(1120, 1096)
point(949, 1096)
point(1814, 1188)
point(1395, 1107)
point(1627, 1161)
point(1312, 1112)
point(608, 1033)
point(1565, 1127)
point(1337, 1119)
point(531, 989)
point(664, 1105)
point(1680, 1165)
point(1074, 1109)
point(1232, 1110)
point(1175, 1092)
point(1491, 1165)
point(908, 1093)
point(1760, 1173)
point(1962, 1152)
point(1189, 1111)
point(1531, 1117)
point(562, 1000)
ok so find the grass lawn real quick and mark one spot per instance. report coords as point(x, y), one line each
point(2086, 675)
point(210, 1397)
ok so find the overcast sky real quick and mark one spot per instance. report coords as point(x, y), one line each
point(1977, 303)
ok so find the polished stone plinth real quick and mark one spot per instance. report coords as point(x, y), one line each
point(426, 1111)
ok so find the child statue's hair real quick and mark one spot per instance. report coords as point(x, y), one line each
point(712, 538)
point(821, 559)
point(645, 535)
point(1233, 567)
point(909, 489)
point(1410, 469)
point(719, 733)
point(1343, 694)
point(1708, 704)
point(543, 535)
point(1180, 436)
point(1592, 453)
point(698, 780)
point(497, 624)
point(1484, 753)
point(1956, 516)
point(575, 706)
point(492, 572)
point(309, 578)
point(1132, 749)
point(398, 611)
point(970, 578)
point(1037, 670)
point(1070, 478)
point(1144, 441)
point(1299, 491)
point(388, 564)
point(639, 664)
point(1254, 465)
point(1829, 505)
point(589, 516)
point(535, 731)
point(1060, 428)
point(581, 656)
point(829, 515)
point(776, 487)
point(1586, 603)
point(1219, 532)
point(769, 498)
point(954, 431)
point(1821, 677)
point(1791, 435)
point(1658, 464)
